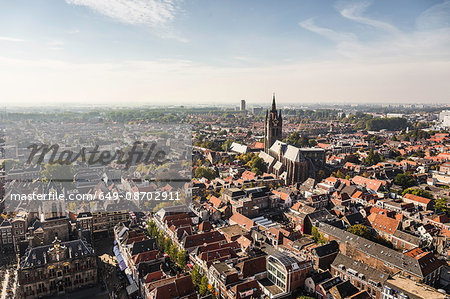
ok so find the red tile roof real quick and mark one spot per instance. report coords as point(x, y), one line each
point(416, 198)
point(242, 221)
point(383, 223)
point(216, 202)
point(284, 196)
point(369, 183)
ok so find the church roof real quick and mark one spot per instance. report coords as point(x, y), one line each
point(278, 165)
point(289, 152)
point(266, 157)
point(277, 145)
point(293, 153)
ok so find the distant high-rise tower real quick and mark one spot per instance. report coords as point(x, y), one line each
point(242, 105)
point(273, 126)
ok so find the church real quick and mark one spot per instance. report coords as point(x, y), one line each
point(288, 162)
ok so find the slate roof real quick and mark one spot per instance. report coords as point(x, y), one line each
point(327, 249)
point(355, 218)
point(380, 252)
point(346, 289)
point(377, 276)
point(407, 237)
point(143, 246)
point(35, 256)
point(233, 192)
point(328, 284)
point(321, 276)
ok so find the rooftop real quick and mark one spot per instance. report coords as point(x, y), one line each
point(412, 289)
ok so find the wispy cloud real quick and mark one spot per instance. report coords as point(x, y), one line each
point(145, 12)
point(437, 16)
point(431, 39)
point(355, 11)
point(326, 32)
point(11, 39)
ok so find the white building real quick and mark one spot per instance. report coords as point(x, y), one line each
point(444, 118)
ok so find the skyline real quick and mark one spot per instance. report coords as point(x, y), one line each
point(157, 52)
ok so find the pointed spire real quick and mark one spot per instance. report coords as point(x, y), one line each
point(274, 106)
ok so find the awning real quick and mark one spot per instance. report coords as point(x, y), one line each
point(119, 257)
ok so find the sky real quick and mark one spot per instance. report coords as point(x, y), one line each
point(164, 52)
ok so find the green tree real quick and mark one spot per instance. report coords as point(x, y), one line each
point(203, 287)
point(418, 192)
point(152, 230)
point(257, 165)
point(167, 245)
point(405, 180)
point(360, 230)
point(393, 123)
point(173, 253)
point(161, 241)
point(196, 276)
point(372, 158)
point(205, 172)
point(181, 259)
point(58, 173)
point(317, 236)
point(441, 205)
point(298, 140)
point(245, 158)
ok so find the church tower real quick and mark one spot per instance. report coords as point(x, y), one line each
point(273, 126)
